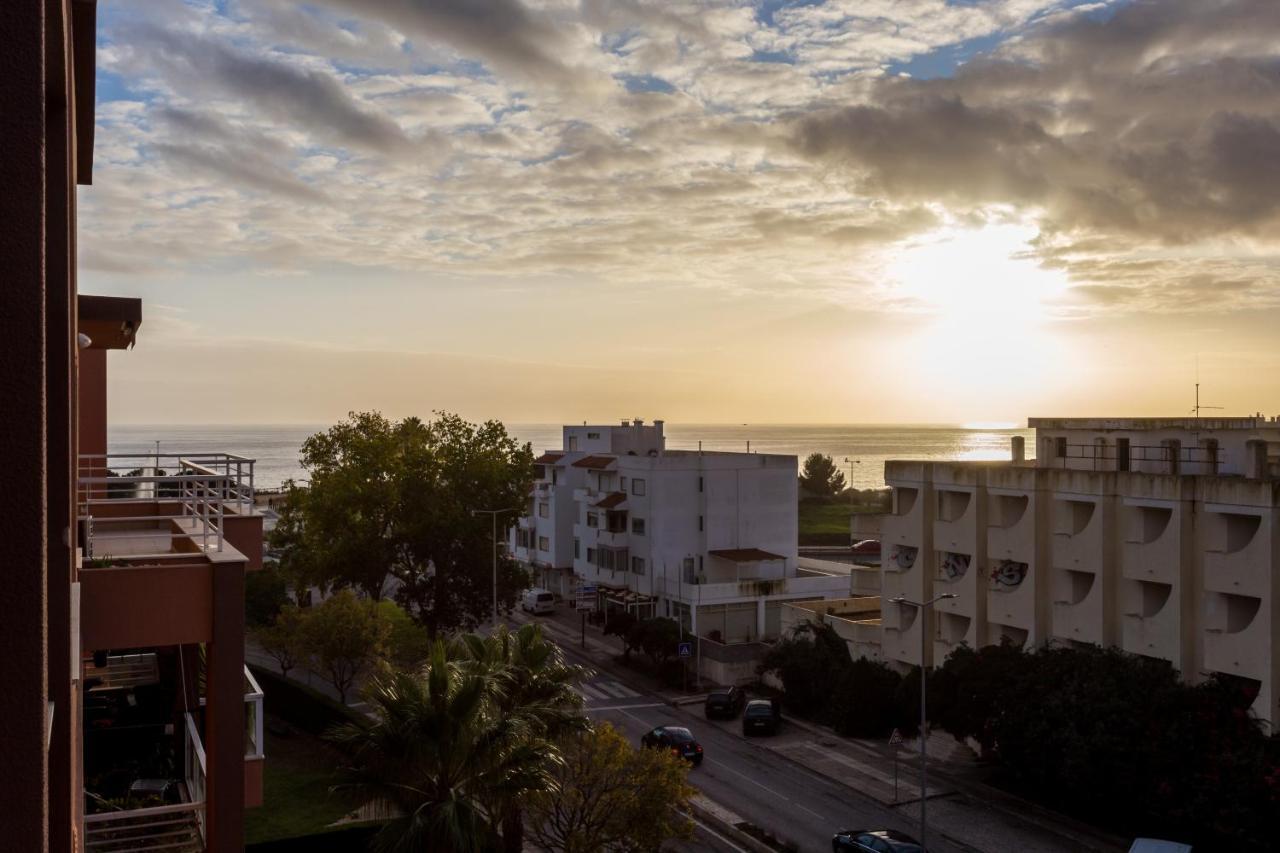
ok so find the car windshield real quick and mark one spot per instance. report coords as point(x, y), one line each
point(680, 735)
point(759, 711)
point(719, 696)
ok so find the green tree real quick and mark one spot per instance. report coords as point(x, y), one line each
point(808, 663)
point(621, 623)
point(265, 593)
point(285, 638)
point(658, 637)
point(407, 642)
point(440, 753)
point(821, 477)
point(344, 636)
point(396, 499)
point(612, 797)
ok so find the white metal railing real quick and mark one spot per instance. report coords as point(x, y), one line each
point(193, 751)
point(253, 720)
point(204, 485)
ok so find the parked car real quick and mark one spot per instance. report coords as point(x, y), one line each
point(538, 601)
point(1155, 845)
point(874, 841)
point(866, 546)
point(761, 717)
point(726, 702)
point(678, 739)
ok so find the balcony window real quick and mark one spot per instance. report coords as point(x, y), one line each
point(637, 526)
point(637, 486)
point(617, 521)
point(637, 565)
point(591, 556)
point(544, 510)
point(544, 544)
point(577, 547)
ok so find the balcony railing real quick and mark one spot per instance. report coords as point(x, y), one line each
point(118, 493)
point(193, 750)
point(253, 720)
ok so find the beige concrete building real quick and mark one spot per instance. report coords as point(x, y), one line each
point(1155, 535)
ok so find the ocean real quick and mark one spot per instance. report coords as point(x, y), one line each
point(275, 447)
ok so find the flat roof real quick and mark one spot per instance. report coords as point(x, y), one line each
point(1138, 424)
point(744, 555)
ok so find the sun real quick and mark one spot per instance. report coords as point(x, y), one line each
point(985, 276)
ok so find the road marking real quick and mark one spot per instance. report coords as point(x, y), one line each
point(615, 689)
point(715, 834)
point(748, 778)
point(625, 707)
point(810, 811)
point(589, 691)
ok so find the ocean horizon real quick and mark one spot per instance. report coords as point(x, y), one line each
point(275, 447)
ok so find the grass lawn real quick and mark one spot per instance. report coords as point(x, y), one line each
point(296, 800)
point(822, 522)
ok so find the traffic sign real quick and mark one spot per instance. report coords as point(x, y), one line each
point(685, 650)
point(895, 739)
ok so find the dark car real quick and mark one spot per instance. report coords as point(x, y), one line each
point(726, 702)
point(678, 739)
point(874, 841)
point(761, 717)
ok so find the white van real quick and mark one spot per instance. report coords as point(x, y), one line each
point(538, 600)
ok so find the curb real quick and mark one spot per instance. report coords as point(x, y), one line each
point(721, 824)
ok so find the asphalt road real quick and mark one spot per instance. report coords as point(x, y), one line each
point(778, 795)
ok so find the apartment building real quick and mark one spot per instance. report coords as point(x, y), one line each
point(1157, 535)
point(130, 722)
point(709, 538)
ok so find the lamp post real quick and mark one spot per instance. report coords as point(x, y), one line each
point(493, 514)
point(924, 753)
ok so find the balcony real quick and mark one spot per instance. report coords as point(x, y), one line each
point(956, 527)
point(1239, 560)
point(131, 505)
point(825, 586)
point(1152, 542)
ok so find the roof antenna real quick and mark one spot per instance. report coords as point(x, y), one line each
point(1196, 410)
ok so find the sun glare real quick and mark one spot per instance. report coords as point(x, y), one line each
point(983, 276)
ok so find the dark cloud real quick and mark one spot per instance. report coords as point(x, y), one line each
point(279, 90)
point(1159, 125)
point(505, 34)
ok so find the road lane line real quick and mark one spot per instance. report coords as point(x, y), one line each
point(810, 811)
point(745, 776)
point(625, 707)
point(709, 831)
point(591, 691)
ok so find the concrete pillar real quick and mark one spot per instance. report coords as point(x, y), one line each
point(224, 712)
point(760, 609)
point(1255, 459)
point(23, 430)
point(1018, 446)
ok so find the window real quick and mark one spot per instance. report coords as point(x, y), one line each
point(688, 570)
point(591, 556)
point(623, 487)
point(539, 472)
point(592, 435)
point(577, 548)
point(573, 442)
point(553, 476)
point(637, 565)
point(637, 486)
point(524, 538)
point(593, 520)
point(544, 510)
point(637, 526)
point(544, 544)
point(699, 524)
point(1060, 446)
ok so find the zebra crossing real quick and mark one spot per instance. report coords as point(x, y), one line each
point(603, 690)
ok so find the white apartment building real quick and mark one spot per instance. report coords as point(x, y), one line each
point(1157, 535)
point(709, 538)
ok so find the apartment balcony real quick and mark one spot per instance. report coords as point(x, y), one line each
point(956, 527)
point(162, 504)
point(612, 538)
point(1152, 550)
point(1152, 621)
point(1239, 561)
point(1236, 636)
point(1011, 528)
point(904, 526)
point(1011, 594)
point(824, 586)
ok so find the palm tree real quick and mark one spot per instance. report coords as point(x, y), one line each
point(440, 750)
point(535, 683)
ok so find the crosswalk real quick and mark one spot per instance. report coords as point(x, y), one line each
point(604, 690)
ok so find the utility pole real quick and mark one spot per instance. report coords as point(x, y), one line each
point(493, 515)
point(924, 721)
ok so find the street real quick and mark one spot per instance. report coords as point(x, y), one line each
point(778, 795)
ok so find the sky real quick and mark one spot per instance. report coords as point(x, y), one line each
point(937, 211)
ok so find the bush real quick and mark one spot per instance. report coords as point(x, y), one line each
point(265, 593)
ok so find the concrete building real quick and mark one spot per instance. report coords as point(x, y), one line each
point(123, 599)
point(1160, 536)
point(706, 538)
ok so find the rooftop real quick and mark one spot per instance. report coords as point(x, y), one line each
point(1138, 424)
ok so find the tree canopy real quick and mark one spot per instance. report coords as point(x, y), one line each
point(396, 499)
point(610, 796)
point(821, 477)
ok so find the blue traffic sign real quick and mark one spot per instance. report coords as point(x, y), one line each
point(685, 650)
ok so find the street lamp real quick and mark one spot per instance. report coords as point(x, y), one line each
point(494, 513)
point(851, 463)
point(924, 754)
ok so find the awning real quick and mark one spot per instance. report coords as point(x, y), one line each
point(745, 555)
point(548, 458)
point(594, 462)
point(612, 500)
